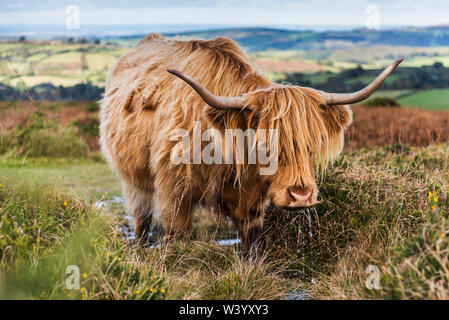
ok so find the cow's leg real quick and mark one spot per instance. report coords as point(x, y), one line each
point(139, 204)
point(249, 222)
point(251, 233)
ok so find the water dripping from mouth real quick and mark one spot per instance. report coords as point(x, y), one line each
point(297, 295)
point(309, 220)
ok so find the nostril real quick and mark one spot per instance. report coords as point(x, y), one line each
point(291, 195)
point(310, 199)
point(300, 195)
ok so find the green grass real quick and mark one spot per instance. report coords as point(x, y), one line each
point(435, 99)
point(43, 232)
point(375, 209)
point(75, 176)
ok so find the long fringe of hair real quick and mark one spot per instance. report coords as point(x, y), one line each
point(305, 136)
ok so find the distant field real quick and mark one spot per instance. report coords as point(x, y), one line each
point(63, 63)
point(369, 57)
point(58, 63)
point(67, 64)
point(435, 99)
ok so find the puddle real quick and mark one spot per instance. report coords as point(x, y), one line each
point(109, 202)
point(228, 242)
point(297, 295)
point(127, 231)
point(128, 219)
point(116, 202)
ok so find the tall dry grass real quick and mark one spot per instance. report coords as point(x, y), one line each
point(381, 126)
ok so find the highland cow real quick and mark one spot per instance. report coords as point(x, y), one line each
point(147, 99)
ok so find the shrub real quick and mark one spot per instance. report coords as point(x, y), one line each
point(93, 106)
point(5, 143)
point(54, 143)
point(40, 137)
point(382, 102)
point(420, 269)
point(88, 126)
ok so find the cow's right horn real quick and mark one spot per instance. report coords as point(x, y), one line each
point(222, 103)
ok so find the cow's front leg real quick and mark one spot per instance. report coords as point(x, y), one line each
point(138, 203)
point(246, 209)
point(249, 222)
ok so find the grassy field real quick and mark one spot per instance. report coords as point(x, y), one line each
point(58, 63)
point(386, 207)
point(375, 209)
point(436, 99)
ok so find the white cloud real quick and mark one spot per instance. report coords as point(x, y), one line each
point(236, 12)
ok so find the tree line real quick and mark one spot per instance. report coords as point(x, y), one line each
point(426, 77)
point(79, 92)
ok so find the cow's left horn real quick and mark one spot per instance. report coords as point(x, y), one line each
point(222, 103)
point(348, 98)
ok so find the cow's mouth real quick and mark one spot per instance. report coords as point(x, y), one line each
point(271, 206)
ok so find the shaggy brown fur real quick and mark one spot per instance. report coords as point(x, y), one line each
point(143, 103)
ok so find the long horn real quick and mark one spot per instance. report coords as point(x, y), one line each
point(349, 98)
point(222, 103)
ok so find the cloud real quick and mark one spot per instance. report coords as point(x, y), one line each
point(234, 12)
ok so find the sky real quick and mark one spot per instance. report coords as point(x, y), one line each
point(227, 12)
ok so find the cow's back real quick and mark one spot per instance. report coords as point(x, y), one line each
point(143, 102)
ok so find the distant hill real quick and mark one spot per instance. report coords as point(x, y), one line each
point(260, 39)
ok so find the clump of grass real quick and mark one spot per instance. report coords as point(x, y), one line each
point(62, 142)
point(420, 267)
point(205, 270)
point(372, 202)
point(39, 137)
point(43, 232)
point(33, 219)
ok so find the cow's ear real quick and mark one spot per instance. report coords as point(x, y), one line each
point(336, 118)
point(144, 95)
